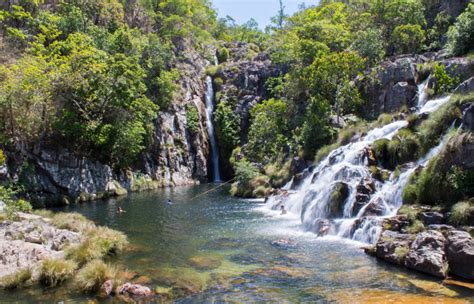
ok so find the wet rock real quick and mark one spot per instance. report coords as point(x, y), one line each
point(468, 117)
point(106, 289)
point(431, 218)
point(440, 227)
point(297, 165)
point(460, 254)
point(393, 247)
point(223, 243)
point(465, 87)
point(244, 259)
point(427, 255)
point(204, 262)
point(299, 178)
point(339, 194)
point(374, 208)
point(433, 287)
point(284, 244)
point(134, 290)
point(396, 223)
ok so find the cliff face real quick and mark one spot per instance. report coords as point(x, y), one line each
point(174, 157)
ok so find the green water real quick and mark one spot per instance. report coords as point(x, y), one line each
point(232, 237)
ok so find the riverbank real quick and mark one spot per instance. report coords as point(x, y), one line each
point(54, 249)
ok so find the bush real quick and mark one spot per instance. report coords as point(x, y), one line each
point(461, 34)
point(416, 227)
point(401, 253)
point(53, 272)
point(462, 212)
point(444, 83)
point(408, 38)
point(192, 118)
point(222, 54)
point(93, 275)
point(16, 279)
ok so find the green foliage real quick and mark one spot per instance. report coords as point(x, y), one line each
point(369, 44)
point(16, 279)
point(444, 83)
point(461, 34)
point(12, 204)
point(91, 277)
point(227, 128)
point(222, 54)
point(168, 86)
point(316, 131)
point(408, 38)
point(401, 253)
point(192, 118)
point(54, 272)
point(415, 227)
point(268, 129)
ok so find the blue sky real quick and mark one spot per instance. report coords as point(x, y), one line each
point(260, 10)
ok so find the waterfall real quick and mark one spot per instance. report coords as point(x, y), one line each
point(216, 176)
point(360, 215)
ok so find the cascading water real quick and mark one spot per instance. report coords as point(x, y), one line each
point(210, 130)
point(345, 172)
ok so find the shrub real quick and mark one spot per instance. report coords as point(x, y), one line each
point(53, 272)
point(461, 34)
point(410, 212)
point(222, 54)
point(16, 279)
point(192, 118)
point(462, 212)
point(71, 221)
point(444, 83)
point(408, 38)
point(93, 275)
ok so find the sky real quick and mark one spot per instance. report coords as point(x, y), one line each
point(260, 10)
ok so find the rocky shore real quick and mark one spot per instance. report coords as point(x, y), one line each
point(64, 248)
point(441, 250)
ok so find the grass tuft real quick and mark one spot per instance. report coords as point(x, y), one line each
point(54, 272)
point(462, 212)
point(71, 221)
point(94, 274)
point(16, 279)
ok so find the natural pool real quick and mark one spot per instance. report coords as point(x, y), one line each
point(219, 248)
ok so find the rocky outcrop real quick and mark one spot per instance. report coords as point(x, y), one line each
point(390, 86)
point(393, 247)
point(465, 87)
point(468, 118)
point(427, 255)
point(460, 254)
point(25, 243)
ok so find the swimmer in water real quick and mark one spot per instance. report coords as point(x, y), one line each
point(169, 202)
point(120, 210)
point(283, 210)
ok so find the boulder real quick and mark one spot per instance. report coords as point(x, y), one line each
point(460, 253)
point(393, 247)
point(461, 68)
point(134, 290)
point(401, 94)
point(106, 288)
point(339, 194)
point(298, 165)
point(374, 208)
point(468, 118)
point(431, 218)
point(440, 227)
point(396, 223)
point(427, 254)
point(465, 87)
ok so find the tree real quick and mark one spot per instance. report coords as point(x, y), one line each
point(369, 43)
point(280, 18)
point(461, 34)
point(408, 38)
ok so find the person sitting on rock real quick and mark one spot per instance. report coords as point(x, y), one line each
point(283, 210)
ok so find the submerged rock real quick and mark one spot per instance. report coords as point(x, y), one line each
point(284, 243)
point(204, 262)
point(134, 290)
point(427, 255)
point(460, 254)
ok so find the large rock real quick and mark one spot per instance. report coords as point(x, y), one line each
point(465, 87)
point(390, 86)
point(393, 247)
point(461, 68)
point(468, 118)
point(431, 218)
point(427, 255)
point(460, 254)
point(339, 194)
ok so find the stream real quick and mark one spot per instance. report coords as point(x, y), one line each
point(220, 248)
